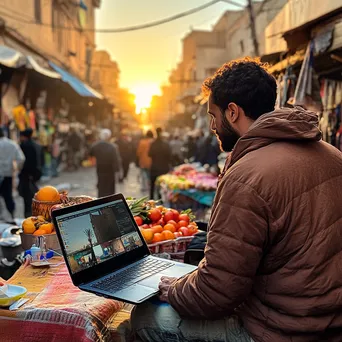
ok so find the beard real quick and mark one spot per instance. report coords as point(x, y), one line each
point(227, 136)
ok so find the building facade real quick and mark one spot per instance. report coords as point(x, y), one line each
point(59, 30)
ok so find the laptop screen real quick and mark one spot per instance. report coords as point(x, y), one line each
point(97, 234)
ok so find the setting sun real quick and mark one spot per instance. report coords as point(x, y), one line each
point(143, 95)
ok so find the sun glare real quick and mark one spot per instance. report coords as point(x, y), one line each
point(143, 95)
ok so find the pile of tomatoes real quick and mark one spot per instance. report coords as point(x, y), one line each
point(165, 224)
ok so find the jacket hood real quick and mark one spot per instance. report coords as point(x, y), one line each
point(285, 124)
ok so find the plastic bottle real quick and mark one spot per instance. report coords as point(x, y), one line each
point(35, 252)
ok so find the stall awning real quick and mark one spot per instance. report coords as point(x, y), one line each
point(80, 87)
point(33, 64)
point(11, 58)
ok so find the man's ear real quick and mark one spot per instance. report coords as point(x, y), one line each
point(233, 112)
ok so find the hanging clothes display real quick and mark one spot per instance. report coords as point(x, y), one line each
point(20, 117)
point(330, 122)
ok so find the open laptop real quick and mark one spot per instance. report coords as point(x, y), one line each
point(106, 253)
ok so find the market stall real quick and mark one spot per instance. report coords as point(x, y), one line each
point(40, 302)
point(188, 186)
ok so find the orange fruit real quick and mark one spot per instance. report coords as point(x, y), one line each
point(167, 235)
point(29, 226)
point(39, 232)
point(157, 237)
point(170, 227)
point(157, 229)
point(147, 234)
point(48, 227)
point(48, 194)
point(183, 224)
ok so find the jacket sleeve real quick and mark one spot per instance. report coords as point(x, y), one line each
point(238, 231)
point(19, 157)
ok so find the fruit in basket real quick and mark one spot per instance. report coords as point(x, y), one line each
point(185, 231)
point(184, 217)
point(147, 234)
point(48, 227)
point(167, 235)
point(183, 223)
point(139, 221)
point(175, 215)
point(29, 225)
point(48, 194)
point(174, 223)
point(158, 237)
point(168, 216)
point(170, 227)
point(154, 215)
point(39, 232)
point(192, 229)
point(157, 229)
point(177, 234)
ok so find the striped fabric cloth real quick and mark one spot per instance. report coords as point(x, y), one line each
point(58, 311)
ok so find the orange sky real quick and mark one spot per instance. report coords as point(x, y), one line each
point(146, 57)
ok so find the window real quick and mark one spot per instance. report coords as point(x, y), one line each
point(37, 11)
point(242, 47)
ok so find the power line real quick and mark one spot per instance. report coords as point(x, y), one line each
point(129, 28)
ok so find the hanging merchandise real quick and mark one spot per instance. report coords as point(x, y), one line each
point(32, 119)
point(20, 117)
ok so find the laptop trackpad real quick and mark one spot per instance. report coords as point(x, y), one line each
point(135, 293)
point(152, 282)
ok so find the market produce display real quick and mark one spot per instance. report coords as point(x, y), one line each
point(158, 223)
point(186, 177)
point(44, 202)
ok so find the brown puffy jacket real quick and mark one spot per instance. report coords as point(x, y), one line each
point(274, 251)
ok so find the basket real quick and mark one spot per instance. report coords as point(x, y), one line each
point(40, 208)
point(51, 241)
point(175, 248)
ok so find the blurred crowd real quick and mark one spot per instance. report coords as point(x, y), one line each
point(36, 157)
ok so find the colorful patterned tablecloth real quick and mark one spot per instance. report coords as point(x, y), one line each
point(59, 311)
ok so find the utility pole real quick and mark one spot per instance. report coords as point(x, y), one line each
point(253, 29)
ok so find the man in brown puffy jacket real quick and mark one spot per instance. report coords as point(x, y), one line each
point(272, 269)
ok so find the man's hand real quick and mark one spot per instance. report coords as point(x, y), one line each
point(164, 285)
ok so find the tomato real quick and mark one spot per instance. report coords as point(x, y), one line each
point(154, 215)
point(168, 216)
point(192, 229)
point(161, 222)
point(184, 231)
point(170, 227)
point(177, 234)
point(174, 223)
point(139, 221)
point(157, 229)
point(175, 215)
point(184, 217)
point(183, 224)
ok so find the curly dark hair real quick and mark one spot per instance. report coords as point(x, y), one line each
point(245, 82)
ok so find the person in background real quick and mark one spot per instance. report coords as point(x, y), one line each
point(160, 154)
point(125, 147)
point(74, 145)
point(55, 154)
point(176, 146)
point(190, 147)
point(107, 163)
point(272, 264)
point(31, 171)
point(144, 160)
point(10, 153)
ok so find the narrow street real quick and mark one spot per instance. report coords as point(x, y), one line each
point(83, 182)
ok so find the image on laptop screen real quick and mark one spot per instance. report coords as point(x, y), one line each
point(94, 235)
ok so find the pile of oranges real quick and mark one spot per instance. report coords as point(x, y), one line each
point(164, 224)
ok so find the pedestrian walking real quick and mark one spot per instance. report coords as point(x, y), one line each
point(126, 149)
point(55, 154)
point(160, 154)
point(10, 153)
point(31, 171)
point(74, 145)
point(144, 160)
point(107, 163)
point(176, 145)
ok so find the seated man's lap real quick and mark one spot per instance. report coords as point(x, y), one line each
point(157, 321)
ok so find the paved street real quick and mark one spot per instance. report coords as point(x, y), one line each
point(83, 182)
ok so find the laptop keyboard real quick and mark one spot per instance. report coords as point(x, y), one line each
point(131, 275)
